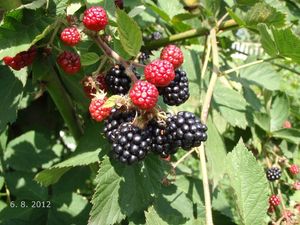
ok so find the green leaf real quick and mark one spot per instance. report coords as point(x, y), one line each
point(279, 111)
point(162, 14)
point(280, 42)
point(152, 218)
point(1, 182)
point(173, 205)
point(89, 58)
point(31, 145)
point(263, 120)
point(11, 90)
point(111, 101)
point(122, 190)
point(236, 18)
point(246, 2)
point(249, 186)
point(264, 13)
point(263, 75)
point(216, 152)
point(21, 29)
point(267, 40)
point(130, 33)
point(12, 4)
point(34, 5)
point(136, 10)
point(22, 185)
point(212, 6)
point(171, 8)
point(291, 135)
point(68, 208)
point(86, 153)
point(231, 105)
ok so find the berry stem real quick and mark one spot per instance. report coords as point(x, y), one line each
point(229, 24)
point(111, 53)
point(204, 115)
point(247, 65)
point(183, 158)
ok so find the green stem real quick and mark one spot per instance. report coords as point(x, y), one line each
point(62, 100)
point(186, 35)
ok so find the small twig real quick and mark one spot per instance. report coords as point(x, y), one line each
point(183, 158)
point(222, 19)
point(204, 115)
point(112, 54)
point(57, 26)
point(7, 194)
point(206, 59)
point(281, 198)
point(278, 222)
point(246, 65)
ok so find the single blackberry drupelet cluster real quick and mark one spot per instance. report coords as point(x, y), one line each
point(144, 57)
point(274, 200)
point(117, 80)
point(115, 120)
point(177, 92)
point(97, 111)
point(273, 174)
point(95, 18)
point(185, 130)
point(70, 36)
point(160, 143)
point(131, 144)
point(69, 62)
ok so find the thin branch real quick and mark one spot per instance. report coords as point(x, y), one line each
point(206, 59)
point(247, 65)
point(112, 54)
point(183, 157)
point(229, 24)
point(204, 115)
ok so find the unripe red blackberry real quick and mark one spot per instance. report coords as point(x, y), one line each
point(95, 18)
point(93, 84)
point(115, 119)
point(144, 95)
point(21, 60)
point(69, 62)
point(177, 92)
point(173, 54)
point(159, 72)
point(274, 200)
point(131, 144)
point(294, 169)
point(70, 36)
point(273, 173)
point(185, 130)
point(296, 185)
point(97, 111)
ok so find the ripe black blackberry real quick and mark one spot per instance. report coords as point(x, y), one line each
point(131, 144)
point(144, 57)
point(156, 35)
point(185, 130)
point(177, 92)
point(273, 173)
point(115, 119)
point(160, 143)
point(118, 82)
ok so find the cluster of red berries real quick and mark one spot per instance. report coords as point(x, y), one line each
point(95, 19)
point(21, 60)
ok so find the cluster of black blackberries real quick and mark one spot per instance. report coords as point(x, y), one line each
point(273, 173)
point(131, 143)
